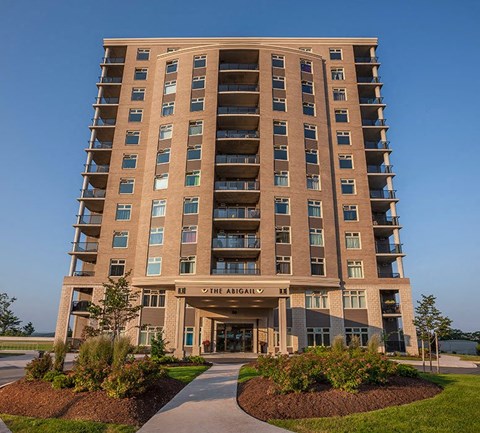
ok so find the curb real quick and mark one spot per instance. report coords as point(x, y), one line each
point(4, 428)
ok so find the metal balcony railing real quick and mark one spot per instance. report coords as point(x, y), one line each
point(217, 271)
point(238, 88)
point(93, 193)
point(113, 60)
point(374, 122)
point(236, 212)
point(391, 308)
point(382, 193)
point(381, 248)
point(85, 247)
point(368, 80)
point(100, 144)
point(237, 159)
point(89, 219)
point(378, 100)
point(81, 306)
point(236, 243)
point(100, 121)
point(379, 168)
point(94, 168)
point(83, 274)
point(106, 100)
point(385, 220)
point(110, 80)
point(237, 185)
point(377, 145)
point(366, 59)
point(238, 110)
point(239, 66)
point(236, 133)
point(387, 274)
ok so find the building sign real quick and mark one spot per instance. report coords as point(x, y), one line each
point(248, 292)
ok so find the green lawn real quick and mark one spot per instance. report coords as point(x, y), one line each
point(25, 345)
point(23, 424)
point(455, 410)
point(472, 358)
point(246, 373)
point(186, 374)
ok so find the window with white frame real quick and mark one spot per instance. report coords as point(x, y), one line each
point(189, 234)
point(276, 337)
point(280, 153)
point(361, 333)
point(138, 94)
point(163, 156)
point(318, 336)
point(311, 156)
point(156, 236)
point(190, 205)
point(354, 299)
point(309, 131)
point(343, 138)
point(317, 266)
point(279, 104)
point(306, 49)
point(168, 108)
point(148, 334)
point(188, 335)
point(348, 186)
point(123, 212)
point(308, 108)
point(355, 268)
point(316, 299)
point(120, 240)
point(282, 235)
point(140, 74)
point(306, 66)
point(170, 87)
point(341, 116)
point(132, 137)
point(192, 178)
point(345, 161)
point(197, 104)
point(116, 268)
point(307, 87)
point(280, 178)
point(339, 94)
point(313, 182)
point(278, 82)
point(335, 53)
point(154, 266)
point(187, 265)
point(279, 127)
point(172, 66)
point(278, 61)
point(135, 115)
point(126, 186)
point(284, 265)
point(165, 132)
point(159, 208)
point(172, 49)
point(194, 152)
point(143, 53)
point(315, 208)
point(352, 241)
point(282, 206)
point(350, 212)
point(153, 298)
point(337, 74)
point(129, 161)
point(198, 82)
point(161, 181)
point(316, 237)
point(200, 61)
point(195, 127)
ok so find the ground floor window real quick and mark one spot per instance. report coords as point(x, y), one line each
point(276, 337)
point(318, 336)
point(188, 336)
point(147, 333)
point(361, 333)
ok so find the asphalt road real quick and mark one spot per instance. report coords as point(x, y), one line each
point(10, 374)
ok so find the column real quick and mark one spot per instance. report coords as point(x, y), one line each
point(196, 334)
point(270, 334)
point(180, 329)
point(282, 324)
point(64, 314)
point(299, 320)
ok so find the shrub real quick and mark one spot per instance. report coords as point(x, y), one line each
point(167, 359)
point(60, 350)
point(121, 349)
point(338, 344)
point(478, 349)
point(404, 370)
point(378, 367)
point(38, 367)
point(199, 360)
point(50, 376)
point(373, 343)
point(300, 373)
point(354, 342)
point(317, 350)
point(158, 346)
point(267, 364)
point(63, 381)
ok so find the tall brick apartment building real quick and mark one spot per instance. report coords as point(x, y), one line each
point(247, 184)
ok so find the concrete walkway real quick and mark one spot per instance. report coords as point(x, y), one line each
point(208, 405)
point(447, 361)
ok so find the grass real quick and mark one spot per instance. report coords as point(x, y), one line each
point(23, 424)
point(472, 358)
point(6, 355)
point(246, 373)
point(455, 410)
point(25, 345)
point(186, 374)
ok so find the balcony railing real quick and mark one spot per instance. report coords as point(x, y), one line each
point(100, 144)
point(217, 271)
point(382, 193)
point(239, 66)
point(106, 100)
point(366, 59)
point(110, 80)
point(368, 79)
point(85, 247)
point(101, 121)
point(395, 346)
point(237, 159)
point(237, 212)
point(93, 193)
point(374, 122)
point(387, 274)
point(390, 308)
point(385, 220)
point(378, 100)
point(237, 185)
point(238, 88)
point(379, 168)
point(236, 133)
point(81, 306)
point(238, 110)
point(94, 168)
point(83, 274)
point(89, 219)
point(388, 248)
point(377, 145)
point(113, 60)
point(236, 243)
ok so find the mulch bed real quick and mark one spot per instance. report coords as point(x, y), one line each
point(257, 397)
point(40, 400)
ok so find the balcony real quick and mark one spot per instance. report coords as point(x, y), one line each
point(101, 152)
point(89, 225)
point(377, 145)
point(380, 169)
point(232, 218)
point(386, 273)
point(372, 101)
point(94, 199)
point(97, 174)
point(382, 194)
point(246, 166)
point(236, 246)
point(112, 60)
point(384, 220)
point(107, 100)
point(366, 59)
point(86, 251)
point(238, 88)
point(391, 308)
point(237, 191)
point(375, 123)
point(100, 145)
point(238, 95)
point(368, 80)
point(110, 80)
point(235, 133)
point(103, 122)
point(81, 307)
point(241, 140)
point(384, 248)
point(238, 118)
point(238, 67)
point(222, 271)
point(83, 274)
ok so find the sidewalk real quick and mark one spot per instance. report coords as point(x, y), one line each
point(447, 361)
point(208, 405)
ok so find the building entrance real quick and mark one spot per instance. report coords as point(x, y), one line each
point(234, 337)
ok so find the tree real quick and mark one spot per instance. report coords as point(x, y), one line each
point(117, 308)
point(431, 325)
point(28, 329)
point(8, 321)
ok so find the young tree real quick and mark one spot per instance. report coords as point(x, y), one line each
point(8, 321)
point(117, 308)
point(28, 329)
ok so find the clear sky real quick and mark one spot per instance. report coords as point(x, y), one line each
point(430, 54)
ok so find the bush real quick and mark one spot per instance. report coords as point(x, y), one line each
point(338, 344)
point(38, 367)
point(355, 342)
point(404, 370)
point(60, 350)
point(198, 360)
point(267, 364)
point(373, 343)
point(121, 349)
point(478, 349)
point(158, 346)
point(63, 381)
point(50, 376)
point(166, 359)
point(317, 350)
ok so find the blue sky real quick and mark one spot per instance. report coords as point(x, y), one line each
point(430, 61)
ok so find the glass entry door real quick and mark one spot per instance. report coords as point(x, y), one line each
point(234, 337)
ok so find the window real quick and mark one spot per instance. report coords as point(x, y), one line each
point(313, 182)
point(200, 61)
point(317, 266)
point(187, 265)
point(306, 66)
point(308, 109)
point(276, 336)
point(307, 87)
point(348, 186)
point(355, 268)
point(310, 131)
point(159, 208)
point(126, 186)
point(123, 212)
point(339, 94)
point(306, 49)
point(188, 336)
point(283, 264)
point(278, 82)
point(117, 268)
point(280, 153)
point(170, 87)
point(196, 104)
point(279, 104)
point(337, 74)
point(161, 181)
point(120, 240)
point(314, 208)
point(279, 127)
point(171, 49)
point(148, 333)
point(311, 156)
point(165, 132)
point(189, 235)
point(282, 206)
point(154, 266)
point(345, 161)
point(343, 137)
point(341, 116)
point(350, 212)
point(172, 66)
point(354, 299)
point(192, 178)
point(135, 115)
point(129, 161)
point(156, 236)
point(316, 237)
point(143, 54)
point(140, 74)
point(132, 137)
point(282, 235)
point(316, 299)
point(361, 333)
point(195, 127)
point(163, 156)
point(138, 94)
point(335, 54)
point(352, 241)
point(198, 82)
point(194, 152)
point(278, 61)
point(168, 108)
point(318, 336)
point(281, 178)
point(190, 205)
